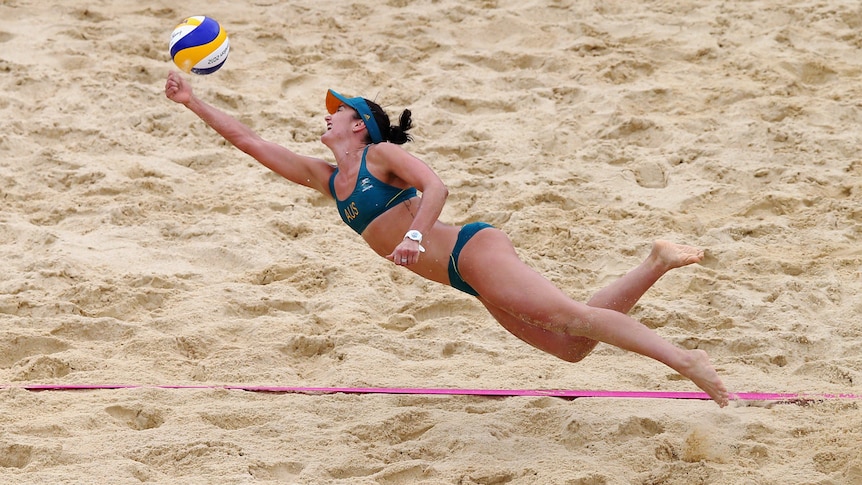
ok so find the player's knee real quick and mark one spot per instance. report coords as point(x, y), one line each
point(571, 358)
point(576, 352)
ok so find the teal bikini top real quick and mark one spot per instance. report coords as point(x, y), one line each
point(369, 199)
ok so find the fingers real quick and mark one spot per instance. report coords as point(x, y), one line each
point(176, 88)
point(403, 258)
point(171, 85)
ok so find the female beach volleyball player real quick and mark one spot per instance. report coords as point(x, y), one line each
point(375, 183)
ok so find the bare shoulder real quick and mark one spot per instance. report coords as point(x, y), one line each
point(389, 155)
point(386, 150)
point(396, 166)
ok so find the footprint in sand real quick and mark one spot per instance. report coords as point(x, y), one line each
point(15, 456)
point(136, 418)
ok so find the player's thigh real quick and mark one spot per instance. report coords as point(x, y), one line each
point(491, 266)
point(566, 347)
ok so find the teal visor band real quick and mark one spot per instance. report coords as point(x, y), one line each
point(334, 100)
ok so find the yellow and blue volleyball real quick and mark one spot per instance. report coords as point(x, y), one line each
point(199, 45)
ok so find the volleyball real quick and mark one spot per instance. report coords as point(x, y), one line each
point(199, 45)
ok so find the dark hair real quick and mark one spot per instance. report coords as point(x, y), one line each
point(395, 134)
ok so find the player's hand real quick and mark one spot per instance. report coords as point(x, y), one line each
point(177, 89)
point(406, 253)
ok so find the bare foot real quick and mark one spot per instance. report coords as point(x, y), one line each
point(703, 374)
point(669, 255)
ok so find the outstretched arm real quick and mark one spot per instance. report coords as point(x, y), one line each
point(308, 171)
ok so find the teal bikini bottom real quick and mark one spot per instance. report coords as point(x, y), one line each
point(464, 235)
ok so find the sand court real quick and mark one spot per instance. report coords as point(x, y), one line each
point(139, 249)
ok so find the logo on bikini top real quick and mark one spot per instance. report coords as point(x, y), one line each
point(365, 184)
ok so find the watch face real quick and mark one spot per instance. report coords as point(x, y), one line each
point(414, 235)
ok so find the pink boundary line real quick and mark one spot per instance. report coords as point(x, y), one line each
point(742, 396)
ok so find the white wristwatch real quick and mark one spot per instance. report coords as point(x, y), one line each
point(415, 235)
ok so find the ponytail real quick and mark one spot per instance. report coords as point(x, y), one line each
point(393, 134)
point(398, 134)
